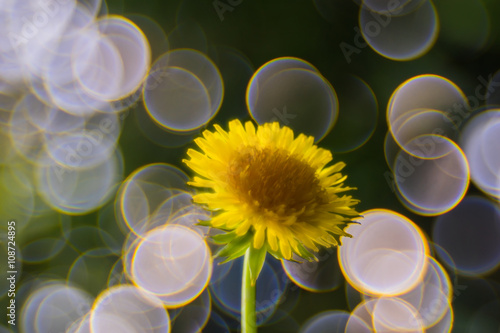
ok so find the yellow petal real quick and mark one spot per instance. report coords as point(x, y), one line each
point(285, 248)
point(221, 132)
point(202, 182)
point(245, 205)
point(243, 228)
point(259, 237)
point(272, 239)
point(250, 128)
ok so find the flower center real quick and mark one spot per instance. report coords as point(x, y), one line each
point(274, 180)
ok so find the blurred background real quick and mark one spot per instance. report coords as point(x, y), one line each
point(100, 100)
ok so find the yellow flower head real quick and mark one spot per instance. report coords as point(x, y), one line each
point(272, 192)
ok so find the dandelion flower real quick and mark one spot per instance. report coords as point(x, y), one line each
point(271, 192)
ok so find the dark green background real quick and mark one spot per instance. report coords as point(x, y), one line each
point(313, 30)
point(264, 30)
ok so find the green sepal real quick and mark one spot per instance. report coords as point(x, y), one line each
point(203, 223)
point(256, 262)
point(224, 238)
point(275, 254)
point(207, 223)
point(235, 255)
point(278, 255)
point(304, 253)
point(292, 260)
point(236, 248)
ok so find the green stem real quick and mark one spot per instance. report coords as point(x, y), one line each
point(248, 318)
